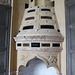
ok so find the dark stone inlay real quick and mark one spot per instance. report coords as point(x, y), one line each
point(45, 44)
point(56, 44)
point(35, 44)
point(47, 27)
point(31, 11)
point(29, 18)
point(46, 17)
point(27, 27)
point(45, 10)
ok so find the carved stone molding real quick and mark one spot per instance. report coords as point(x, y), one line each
point(39, 38)
point(41, 50)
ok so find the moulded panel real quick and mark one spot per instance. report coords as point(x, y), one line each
point(73, 64)
point(2, 73)
point(72, 26)
point(67, 0)
point(72, 15)
point(72, 39)
point(70, 1)
point(3, 17)
point(2, 60)
point(2, 38)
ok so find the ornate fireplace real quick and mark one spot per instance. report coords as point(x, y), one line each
point(39, 36)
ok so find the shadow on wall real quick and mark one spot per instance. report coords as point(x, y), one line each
point(38, 67)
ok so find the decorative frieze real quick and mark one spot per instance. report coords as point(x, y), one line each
point(39, 38)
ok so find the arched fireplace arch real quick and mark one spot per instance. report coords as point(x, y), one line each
point(51, 59)
point(34, 65)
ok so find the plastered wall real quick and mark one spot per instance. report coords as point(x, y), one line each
point(18, 8)
point(60, 13)
point(17, 15)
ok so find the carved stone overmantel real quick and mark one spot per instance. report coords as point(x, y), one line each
point(39, 36)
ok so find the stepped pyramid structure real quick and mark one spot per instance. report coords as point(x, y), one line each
point(39, 32)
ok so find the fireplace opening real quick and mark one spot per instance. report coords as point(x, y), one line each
point(38, 67)
point(29, 18)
